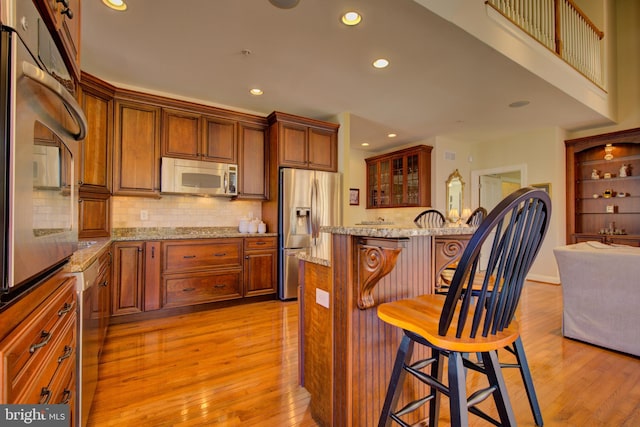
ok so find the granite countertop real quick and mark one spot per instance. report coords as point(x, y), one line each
point(90, 249)
point(396, 231)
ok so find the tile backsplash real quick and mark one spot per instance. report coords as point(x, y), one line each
point(180, 211)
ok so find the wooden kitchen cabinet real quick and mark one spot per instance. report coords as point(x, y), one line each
point(38, 345)
point(135, 277)
point(595, 210)
point(136, 162)
point(191, 135)
point(96, 99)
point(253, 182)
point(303, 143)
point(201, 271)
point(260, 260)
point(63, 23)
point(95, 215)
point(101, 305)
point(95, 154)
point(400, 178)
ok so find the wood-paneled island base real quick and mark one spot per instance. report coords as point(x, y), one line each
point(346, 352)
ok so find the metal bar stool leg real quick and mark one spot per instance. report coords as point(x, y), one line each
point(397, 378)
point(528, 381)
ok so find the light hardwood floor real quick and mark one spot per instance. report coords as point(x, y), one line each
point(238, 366)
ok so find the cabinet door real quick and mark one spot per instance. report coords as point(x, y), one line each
point(260, 273)
point(180, 134)
point(137, 149)
point(152, 282)
point(104, 296)
point(66, 28)
point(323, 150)
point(219, 140)
point(95, 150)
point(128, 279)
point(95, 214)
point(253, 181)
point(292, 145)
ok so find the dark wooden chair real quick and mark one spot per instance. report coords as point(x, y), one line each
point(476, 316)
point(431, 218)
point(477, 216)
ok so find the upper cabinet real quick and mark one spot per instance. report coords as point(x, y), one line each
point(63, 20)
point(191, 135)
point(304, 143)
point(136, 160)
point(400, 179)
point(253, 181)
point(603, 188)
point(96, 99)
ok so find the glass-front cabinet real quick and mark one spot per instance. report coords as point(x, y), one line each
point(400, 178)
point(603, 188)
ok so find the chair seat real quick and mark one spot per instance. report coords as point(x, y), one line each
point(421, 315)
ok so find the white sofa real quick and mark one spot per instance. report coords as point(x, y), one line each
point(601, 294)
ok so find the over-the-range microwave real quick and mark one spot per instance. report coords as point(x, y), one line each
point(181, 176)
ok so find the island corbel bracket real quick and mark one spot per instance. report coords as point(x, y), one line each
point(376, 258)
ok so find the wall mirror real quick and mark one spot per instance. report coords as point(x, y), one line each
point(455, 193)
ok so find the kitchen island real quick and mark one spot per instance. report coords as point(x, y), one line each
point(346, 352)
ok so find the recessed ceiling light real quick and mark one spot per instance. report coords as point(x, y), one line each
point(381, 63)
point(351, 18)
point(365, 144)
point(392, 135)
point(518, 104)
point(118, 5)
point(256, 91)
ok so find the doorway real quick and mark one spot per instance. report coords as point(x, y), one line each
point(489, 187)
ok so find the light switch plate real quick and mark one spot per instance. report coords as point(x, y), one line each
point(322, 298)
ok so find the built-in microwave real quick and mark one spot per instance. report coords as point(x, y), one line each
point(182, 176)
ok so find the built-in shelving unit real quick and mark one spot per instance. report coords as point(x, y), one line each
point(603, 188)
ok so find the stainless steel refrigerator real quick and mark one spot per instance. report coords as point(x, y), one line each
point(308, 199)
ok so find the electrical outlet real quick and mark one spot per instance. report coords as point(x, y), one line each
point(144, 215)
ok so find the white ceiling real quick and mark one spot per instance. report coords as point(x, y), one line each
point(441, 81)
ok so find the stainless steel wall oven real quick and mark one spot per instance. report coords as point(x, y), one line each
point(40, 124)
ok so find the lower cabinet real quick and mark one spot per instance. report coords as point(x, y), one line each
point(260, 260)
point(201, 271)
point(135, 277)
point(38, 346)
point(155, 275)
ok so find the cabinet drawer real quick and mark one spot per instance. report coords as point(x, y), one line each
point(252, 243)
point(197, 288)
point(206, 255)
point(24, 353)
point(34, 383)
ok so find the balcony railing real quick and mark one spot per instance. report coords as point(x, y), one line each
point(562, 27)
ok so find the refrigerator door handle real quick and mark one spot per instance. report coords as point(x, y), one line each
point(315, 195)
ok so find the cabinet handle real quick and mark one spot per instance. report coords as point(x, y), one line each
point(66, 396)
point(188, 289)
point(104, 284)
point(45, 338)
point(45, 395)
point(188, 256)
point(246, 257)
point(153, 252)
point(220, 254)
point(68, 306)
point(261, 243)
point(68, 351)
point(66, 10)
point(219, 286)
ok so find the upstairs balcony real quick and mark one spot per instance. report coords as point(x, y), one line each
point(553, 39)
point(562, 27)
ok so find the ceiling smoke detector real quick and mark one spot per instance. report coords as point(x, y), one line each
point(284, 4)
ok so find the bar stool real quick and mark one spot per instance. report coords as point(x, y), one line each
point(475, 316)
